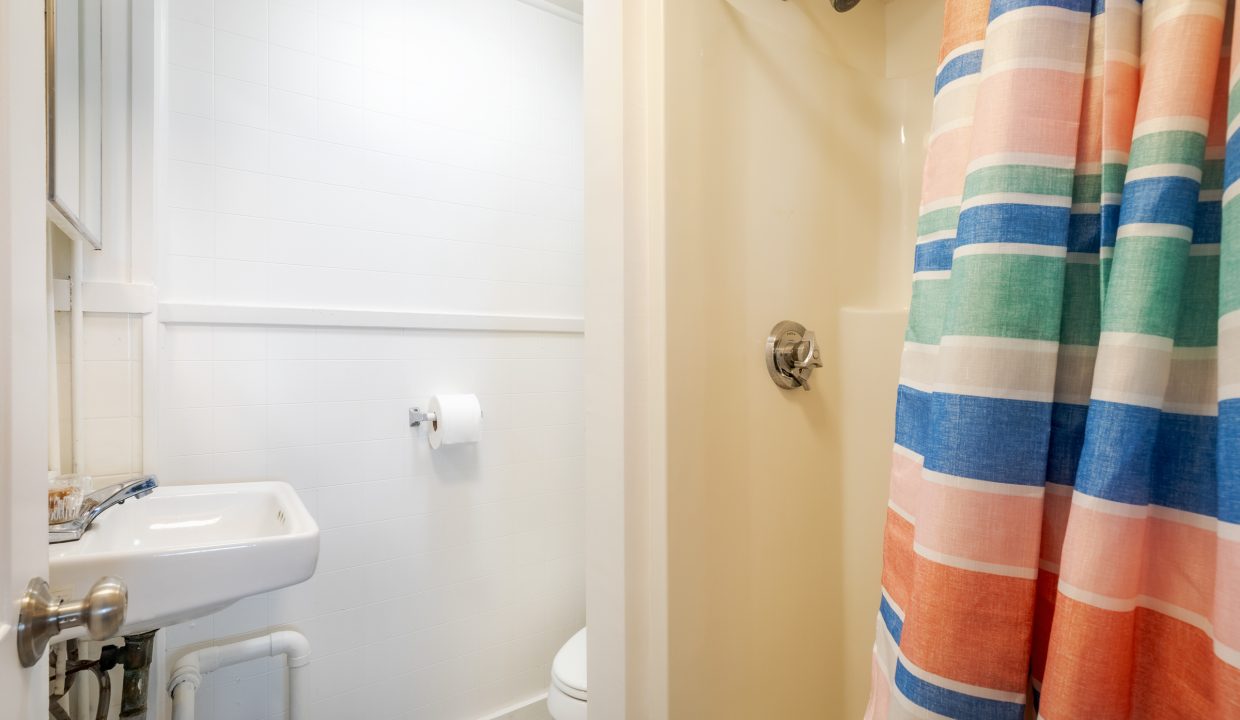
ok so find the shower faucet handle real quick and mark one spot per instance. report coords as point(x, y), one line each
point(791, 355)
point(806, 352)
point(806, 358)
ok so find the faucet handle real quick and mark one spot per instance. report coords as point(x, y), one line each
point(98, 501)
point(805, 358)
point(791, 355)
point(120, 492)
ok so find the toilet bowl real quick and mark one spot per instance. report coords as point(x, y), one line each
point(566, 698)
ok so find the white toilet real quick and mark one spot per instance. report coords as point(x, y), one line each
point(566, 699)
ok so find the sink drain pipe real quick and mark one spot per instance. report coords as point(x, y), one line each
point(187, 671)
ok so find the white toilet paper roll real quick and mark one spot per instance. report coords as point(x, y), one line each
point(458, 419)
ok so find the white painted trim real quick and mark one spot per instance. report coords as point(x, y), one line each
point(625, 350)
point(62, 294)
point(24, 372)
point(517, 707)
point(143, 114)
point(150, 393)
point(555, 7)
point(196, 314)
point(132, 298)
point(106, 297)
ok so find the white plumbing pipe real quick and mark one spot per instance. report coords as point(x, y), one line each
point(187, 671)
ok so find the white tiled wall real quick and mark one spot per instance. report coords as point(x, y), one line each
point(446, 580)
point(389, 155)
point(398, 155)
point(112, 395)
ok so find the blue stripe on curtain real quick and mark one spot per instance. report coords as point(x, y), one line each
point(912, 406)
point(951, 703)
point(1143, 456)
point(1231, 170)
point(999, 7)
point(1208, 226)
point(969, 63)
point(936, 255)
point(893, 622)
point(1067, 439)
point(1167, 200)
point(1083, 232)
point(1108, 224)
point(993, 439)
point(1229, 460)
point(1013, 223)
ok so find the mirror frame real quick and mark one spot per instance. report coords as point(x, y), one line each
point(60, 215)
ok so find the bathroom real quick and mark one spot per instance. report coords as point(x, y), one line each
point(416, 336)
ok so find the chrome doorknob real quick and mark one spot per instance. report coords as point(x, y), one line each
point(42, 616)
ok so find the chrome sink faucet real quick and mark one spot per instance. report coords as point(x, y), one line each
point(95, 503)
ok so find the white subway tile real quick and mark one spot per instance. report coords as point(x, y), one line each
point(340, 40)
point(293, 200)
point(240, 57)
point(189, 91)
point(293, 113)
point(188, 384)
point(340, 123)
point(190, 185)
point(240, 382)
point(296, 466)
point(290, 425)
point(108, 446)
point(245, 17)
point(342, 11)
point(196, 11)
point(291, 343)
point(340, 82)
point(241, 147)
point(190, 232)
point(236, 429)
point(241, 102)
point(241, 237)
point(106, 337)
point(245, 283)
point(190, 45)
point(294, 157)
point(186, 469)
point(293, 27)
point(242, 192)
point(187, 431)
point(291, 381)
point(292, 70)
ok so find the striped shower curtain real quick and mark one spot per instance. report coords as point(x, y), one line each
point(1063, 535)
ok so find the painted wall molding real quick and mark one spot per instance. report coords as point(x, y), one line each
point(204, 314)
point(107, 297)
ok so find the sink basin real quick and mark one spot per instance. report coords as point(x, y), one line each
point(187, 551)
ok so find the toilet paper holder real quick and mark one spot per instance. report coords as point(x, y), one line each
point(417, 416)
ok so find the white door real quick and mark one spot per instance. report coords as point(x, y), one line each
point(23, 344)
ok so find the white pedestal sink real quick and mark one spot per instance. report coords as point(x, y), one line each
point(187, 551)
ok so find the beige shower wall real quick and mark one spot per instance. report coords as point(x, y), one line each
point(871, 332)
point(788, 197)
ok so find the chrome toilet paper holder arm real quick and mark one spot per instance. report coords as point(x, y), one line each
point(417, 416)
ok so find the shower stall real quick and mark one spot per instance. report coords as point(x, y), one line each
point(769, 154)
